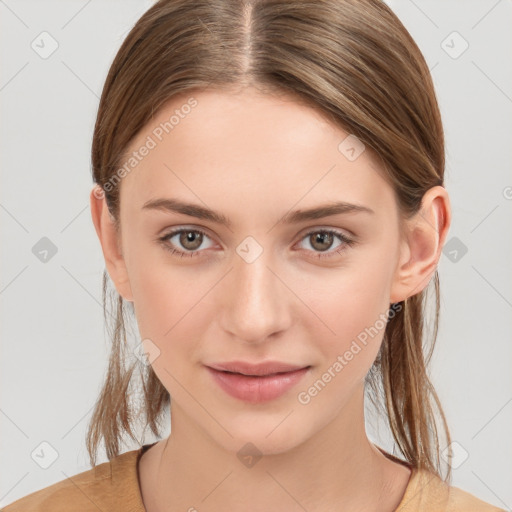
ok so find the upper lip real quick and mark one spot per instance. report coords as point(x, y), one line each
point(264, 368)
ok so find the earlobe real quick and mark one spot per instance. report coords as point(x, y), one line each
point(420, 253)
point(110, 243)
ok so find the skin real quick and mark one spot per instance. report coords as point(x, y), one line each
point(255, 157)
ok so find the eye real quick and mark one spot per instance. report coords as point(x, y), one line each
point(322, 240)
point(189, 239)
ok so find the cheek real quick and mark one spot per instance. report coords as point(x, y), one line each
point(166, 302)
point(173, 309)
point(354, 311)
point(156, 286)
point(167, 309)
point(351, 308)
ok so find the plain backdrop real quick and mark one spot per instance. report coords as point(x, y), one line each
point(54, 345)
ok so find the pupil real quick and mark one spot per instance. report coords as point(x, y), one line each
point(191, 237)
point(323, 238)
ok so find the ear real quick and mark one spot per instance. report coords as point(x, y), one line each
point(421, 246)
point(110, 243)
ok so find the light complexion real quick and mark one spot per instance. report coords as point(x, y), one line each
point(256, 159)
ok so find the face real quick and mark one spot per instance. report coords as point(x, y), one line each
point(266, 284)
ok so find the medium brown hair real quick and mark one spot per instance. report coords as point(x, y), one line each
point(351, 60)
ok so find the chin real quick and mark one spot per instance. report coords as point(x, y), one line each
point(269, 436)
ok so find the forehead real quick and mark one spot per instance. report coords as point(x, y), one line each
point(257, 146)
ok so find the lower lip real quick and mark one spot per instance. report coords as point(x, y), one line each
point(257, 389)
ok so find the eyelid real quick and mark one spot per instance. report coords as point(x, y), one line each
point(346, 241)
point(319, 227)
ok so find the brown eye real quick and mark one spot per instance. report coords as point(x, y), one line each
point(321, 240)
point(187, 243)
point(191, 240)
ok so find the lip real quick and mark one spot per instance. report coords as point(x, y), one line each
point(260, 369)
point(265, 386)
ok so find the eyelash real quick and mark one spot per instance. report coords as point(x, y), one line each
point(347, 242)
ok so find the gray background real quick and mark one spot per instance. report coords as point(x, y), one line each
point(54, 346)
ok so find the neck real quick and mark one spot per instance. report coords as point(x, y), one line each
point(336, 469)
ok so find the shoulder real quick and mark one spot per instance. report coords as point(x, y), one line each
point(85, 491)
point(460, 500)
point(96, 489)
point(426, 492)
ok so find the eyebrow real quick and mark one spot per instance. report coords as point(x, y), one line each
point(201, 212)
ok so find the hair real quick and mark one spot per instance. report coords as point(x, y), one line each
point(351, 60)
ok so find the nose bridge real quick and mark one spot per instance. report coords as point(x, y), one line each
point(257, 307)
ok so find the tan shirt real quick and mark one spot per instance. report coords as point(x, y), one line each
point(114, 487)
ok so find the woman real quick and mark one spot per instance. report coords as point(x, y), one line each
point(270, 204)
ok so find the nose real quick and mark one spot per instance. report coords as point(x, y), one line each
point(256, 301)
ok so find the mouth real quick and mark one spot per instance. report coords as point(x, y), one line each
point(257, 388)
point(263, 369)
point(258, 376)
